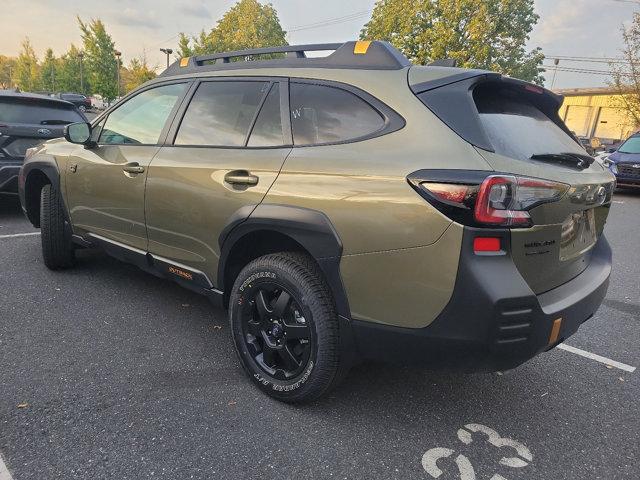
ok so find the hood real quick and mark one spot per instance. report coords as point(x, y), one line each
point(621, 157)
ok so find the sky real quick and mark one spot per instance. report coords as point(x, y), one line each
point(567, 28)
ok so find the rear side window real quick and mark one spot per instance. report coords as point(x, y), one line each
point(140, 120)
point(221, 113)
point(321, 114)
point(35, 112)
point(518, 129)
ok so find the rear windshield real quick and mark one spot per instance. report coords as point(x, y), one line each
point(632, 145)
point(37, 112)
point(516, 128)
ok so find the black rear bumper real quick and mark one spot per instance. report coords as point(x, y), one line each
point(493, 320)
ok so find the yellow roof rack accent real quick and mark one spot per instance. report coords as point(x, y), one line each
point(361, 47)
point(184, 61)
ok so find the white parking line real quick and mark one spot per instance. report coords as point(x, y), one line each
point(4, 471)
point(597, 358)
point(15, 235)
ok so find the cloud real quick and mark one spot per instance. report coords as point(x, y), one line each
point(195, 9)
point(133, 18)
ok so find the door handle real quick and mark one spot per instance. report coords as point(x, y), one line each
point(241, 177)
point(133, 167)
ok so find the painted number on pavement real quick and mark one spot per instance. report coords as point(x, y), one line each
point(521, 455)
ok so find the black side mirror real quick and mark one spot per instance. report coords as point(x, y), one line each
point(79, 133)
point(611, 150)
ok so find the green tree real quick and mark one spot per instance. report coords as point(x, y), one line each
point(27, 69)
point(7, 71)
point(626, 75)
point(488, 34)
point(184, 48)
point(49, 71)
point(68, 73)
point(248, 24)
point(99, 58)
point(137, 73)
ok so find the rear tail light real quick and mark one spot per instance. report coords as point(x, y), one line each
point(500, 200)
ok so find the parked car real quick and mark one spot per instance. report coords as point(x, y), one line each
point(98, 103)
point(624, 162)
point(81, 101)
point(346, 207)
point(26, 120)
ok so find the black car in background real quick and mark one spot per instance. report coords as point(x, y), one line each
point(82, 102)
point(26, 120)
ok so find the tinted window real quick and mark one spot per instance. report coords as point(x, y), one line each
point(37, 112)
point(221, 113)
point(632, 145)
point(321, 114)
point(518, 129)
point(141, 119)
point(267, 132)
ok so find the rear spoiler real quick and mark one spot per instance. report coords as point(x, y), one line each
point(451, 99)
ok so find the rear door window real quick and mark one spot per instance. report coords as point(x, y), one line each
point(267, 131)
point(221, 113)
point(35, 112)
point(321, 114)
point(140, 120)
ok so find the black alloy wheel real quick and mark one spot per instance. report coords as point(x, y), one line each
point(276, 332)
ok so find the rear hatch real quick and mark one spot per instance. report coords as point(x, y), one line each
point(515, 126)
point(28, 120)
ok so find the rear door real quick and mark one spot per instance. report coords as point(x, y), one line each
point(220, 160)
point(105, 184)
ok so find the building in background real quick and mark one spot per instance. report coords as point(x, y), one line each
point(596, 113)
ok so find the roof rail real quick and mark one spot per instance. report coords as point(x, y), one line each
point(295, 51)
point(372, 55)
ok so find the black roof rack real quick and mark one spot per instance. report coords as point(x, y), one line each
point(374, 55)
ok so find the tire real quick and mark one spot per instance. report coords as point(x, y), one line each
point(308, 327)
point(57, 248)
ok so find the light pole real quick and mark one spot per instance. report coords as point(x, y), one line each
point(80, 57)
point(167, 51)
point(117, 54)
point(555, 72)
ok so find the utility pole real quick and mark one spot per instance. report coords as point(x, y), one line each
point(80, 56)
point(555, 72)
point(167, 51)
point(117, 54)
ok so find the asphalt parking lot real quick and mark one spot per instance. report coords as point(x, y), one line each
point(108, 372)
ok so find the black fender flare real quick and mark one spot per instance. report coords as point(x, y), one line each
point(49, 168)
point(310, 228)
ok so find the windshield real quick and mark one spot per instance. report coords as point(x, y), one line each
point(632, 145)
point(518, 129)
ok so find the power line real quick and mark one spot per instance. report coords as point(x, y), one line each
point(331, 21)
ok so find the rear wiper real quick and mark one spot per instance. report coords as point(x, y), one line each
point(570, 159)
point(54, 122)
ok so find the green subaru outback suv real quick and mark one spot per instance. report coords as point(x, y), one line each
point(345, 207)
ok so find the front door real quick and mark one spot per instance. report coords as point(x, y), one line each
point(105, 184)
point(227, 152)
